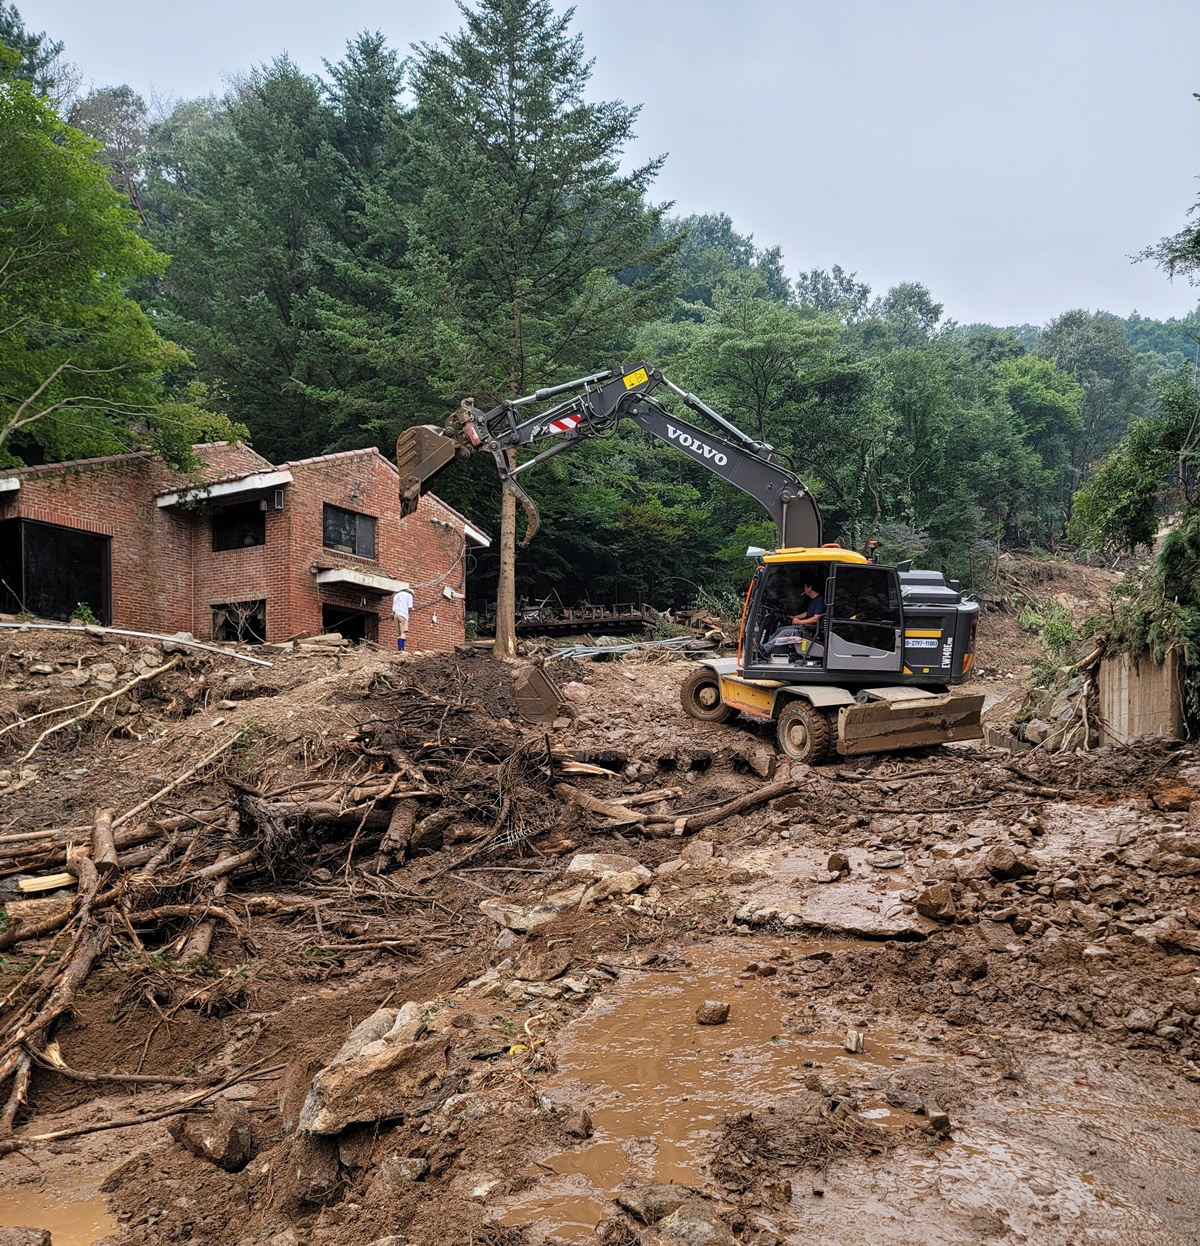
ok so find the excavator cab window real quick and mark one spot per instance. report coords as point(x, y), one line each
point(775, 639)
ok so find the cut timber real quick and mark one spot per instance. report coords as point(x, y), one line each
point(104, 849)
point(879, 726)
point(46, 882)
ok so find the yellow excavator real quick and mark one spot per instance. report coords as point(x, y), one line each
point(840, 653)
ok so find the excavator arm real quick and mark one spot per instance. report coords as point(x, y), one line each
point(594, 406)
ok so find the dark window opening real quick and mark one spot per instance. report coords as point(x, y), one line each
point(354, 625)
point(49, 570)
point(240, 526)
point(242, 621)
point(866, 606)
point(349, 532)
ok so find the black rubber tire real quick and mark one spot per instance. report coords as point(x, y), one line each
point(805, 734)
point(701, 697)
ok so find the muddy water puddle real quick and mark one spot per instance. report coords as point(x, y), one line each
point(657, 1084)
point(72, 1219)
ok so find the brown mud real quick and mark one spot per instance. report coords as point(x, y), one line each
point(1016, 940)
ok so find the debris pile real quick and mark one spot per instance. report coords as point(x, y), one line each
point(1063, 715)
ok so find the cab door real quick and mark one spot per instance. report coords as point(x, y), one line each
point(866, 622)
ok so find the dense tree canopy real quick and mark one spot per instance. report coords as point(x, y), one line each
point(82, 370)
point(355, 252)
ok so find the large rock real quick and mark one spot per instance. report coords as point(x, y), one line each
point(529, 917)
point(673, 1214)
point(24, 1237)
point(937, 902)
point(372, 1086)
point(598, 865)
point(623, 884)
point(223, 1138)
point(310, 1173)
point(1004, 864)
point(712, 1012)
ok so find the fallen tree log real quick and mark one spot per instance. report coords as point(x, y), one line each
point(689, 825)
point(200, 940)
point(593, 804)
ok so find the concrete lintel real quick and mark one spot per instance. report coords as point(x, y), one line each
point(359, 579)
point(226, 488)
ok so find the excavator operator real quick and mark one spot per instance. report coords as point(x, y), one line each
point(802, 624)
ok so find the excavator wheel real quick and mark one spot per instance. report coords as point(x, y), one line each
point(805, 734)
point(701, 697)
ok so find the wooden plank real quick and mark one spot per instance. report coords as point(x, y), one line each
point(46, 882)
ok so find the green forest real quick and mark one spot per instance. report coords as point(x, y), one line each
point(314, 263)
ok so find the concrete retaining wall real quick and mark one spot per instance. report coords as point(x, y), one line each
point(1139, 697)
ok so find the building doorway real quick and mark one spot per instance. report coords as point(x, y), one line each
point(354, 625)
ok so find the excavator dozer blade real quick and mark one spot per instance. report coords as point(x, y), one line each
point(421, 452)
point(897, 722)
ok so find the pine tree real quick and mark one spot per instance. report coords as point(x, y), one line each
point(533, 250)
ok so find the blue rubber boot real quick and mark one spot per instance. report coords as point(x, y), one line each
point(400, 643)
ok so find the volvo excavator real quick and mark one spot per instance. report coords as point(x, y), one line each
point(872, 673)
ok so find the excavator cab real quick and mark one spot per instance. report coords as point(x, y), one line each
point(861, 629)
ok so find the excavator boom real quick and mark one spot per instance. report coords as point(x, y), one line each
point(595, 406)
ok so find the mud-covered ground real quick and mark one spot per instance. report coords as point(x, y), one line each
point(1012, 942)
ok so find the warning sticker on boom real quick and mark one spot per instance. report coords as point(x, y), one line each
point(634, 379)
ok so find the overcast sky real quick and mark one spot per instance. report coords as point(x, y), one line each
point(1012, 156)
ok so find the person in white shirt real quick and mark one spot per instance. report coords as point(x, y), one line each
point(402, 604)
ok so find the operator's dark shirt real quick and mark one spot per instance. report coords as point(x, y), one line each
point(816, 606)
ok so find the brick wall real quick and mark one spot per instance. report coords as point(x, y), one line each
point(166, 577)
point(151, 550)
point(421, 548)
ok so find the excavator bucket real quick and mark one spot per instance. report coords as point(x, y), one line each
point(421, 452)
point(538, 697)
point(908, 718)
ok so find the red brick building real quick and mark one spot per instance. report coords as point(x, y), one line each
point(249, 550)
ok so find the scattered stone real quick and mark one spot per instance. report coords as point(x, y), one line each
point(483, 1189)
point(697, 851)
point(1064, 888)
point(598, 865)
point(838, 863)
point(905, 1100)
point(1171, 796)
point(24, 1237)
point(854, 1042)
point(222, 1138)
point(740, 876)
point(937, 902)
point(947, 851)
point(712, 1012)
point(939, 1121)
point(892, 860)
point(578, 1124)
point(1004, 864)
point(400, 1170)
point(392, 1239)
